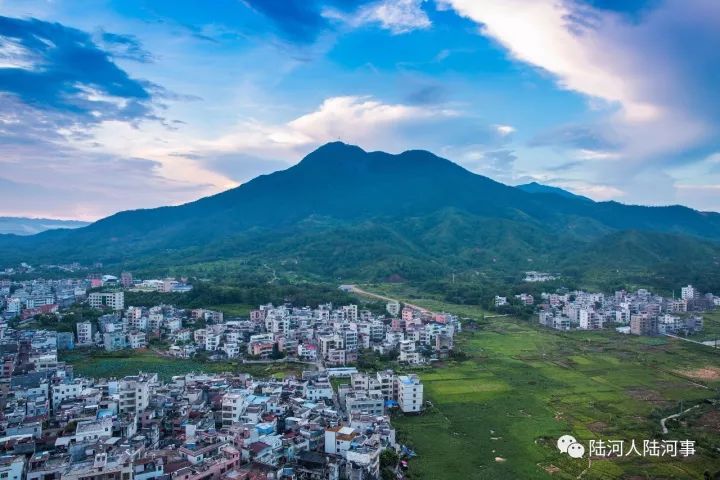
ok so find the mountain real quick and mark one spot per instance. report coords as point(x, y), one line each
point(31, 226)
point(344, 212)
point(534, 187)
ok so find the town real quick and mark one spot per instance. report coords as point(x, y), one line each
point(639, 313)
point(56, 425)
point(326, 335)
point(330, 422)
point(331, 418)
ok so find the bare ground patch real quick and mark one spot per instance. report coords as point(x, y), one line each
point(597, 427)
point(551, 469)
point(646, 395)
point(704, 373)
point(709, 421)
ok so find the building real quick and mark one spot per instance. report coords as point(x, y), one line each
point(233, 408)
point(111, 300)
point(113, 341)
point(134, 393)
point(126, 279)
point(410, 393)
point(84, 333)
point(643, 324)
point(361, 403)
point(102, 467)
point(393, 308)
point(12, 467)
point(687, 293)
point(339, 439)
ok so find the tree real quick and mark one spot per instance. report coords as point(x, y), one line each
point(388, 463)
point(276, 353)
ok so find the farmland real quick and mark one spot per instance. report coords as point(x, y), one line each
point(499, 413)
point(711, 328)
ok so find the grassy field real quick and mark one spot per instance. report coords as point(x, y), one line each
point(233, 309)
point(498, 414)
point(404, 292)
point(98, 364)
point(711, 327)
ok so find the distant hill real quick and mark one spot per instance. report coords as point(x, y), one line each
point(534, 187)
point(346, 213)
point(31, 226)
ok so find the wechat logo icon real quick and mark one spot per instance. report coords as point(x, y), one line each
point(568, 444)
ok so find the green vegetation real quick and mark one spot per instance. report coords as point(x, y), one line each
point(62, 322)
point(498, 413)
point(388, 463)
point(233, 309)
point(101, 364)
point(711, 327)
point(237, 297)
point(345, 215)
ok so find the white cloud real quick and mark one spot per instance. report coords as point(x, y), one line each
point(14, 55)
point(183, 156)
point(353, 119)
point(551, 35)
point(644, 72)
point(597, 191)
point(588, 154)
point(705, 195)
point(504, 130)
point(398, 16)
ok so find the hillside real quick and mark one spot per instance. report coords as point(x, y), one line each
point(534, 187)
point(343, 212)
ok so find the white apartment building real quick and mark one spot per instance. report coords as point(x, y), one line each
point(687, 293)
point(112, 300)
point(233, 408)
point(351, 312)
point(84, 333)
point(12, 467)
point(393, 308)
point(137, 339)
point(408, 353)
point(410, 393)
point(134, 394)
point(66, 391)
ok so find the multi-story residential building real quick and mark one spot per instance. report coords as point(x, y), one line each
point(643, 324)
point(409, 393)
point(134, 393)
point(687, 293)
point(234, 406)
point(357, 402)
point(111, 300)
point(12, 467)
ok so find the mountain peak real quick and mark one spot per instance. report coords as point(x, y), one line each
point(338, 158)
point(332, 152)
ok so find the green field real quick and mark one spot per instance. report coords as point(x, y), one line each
point(97, 364)
point(711, 327)
point(408, 293)
point(523, 387)
point(233, 309)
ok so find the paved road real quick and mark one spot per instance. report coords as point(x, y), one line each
point(662, 422)
point(360, 291)
point(691, 341)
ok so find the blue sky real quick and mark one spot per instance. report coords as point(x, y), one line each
point(109, 105)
